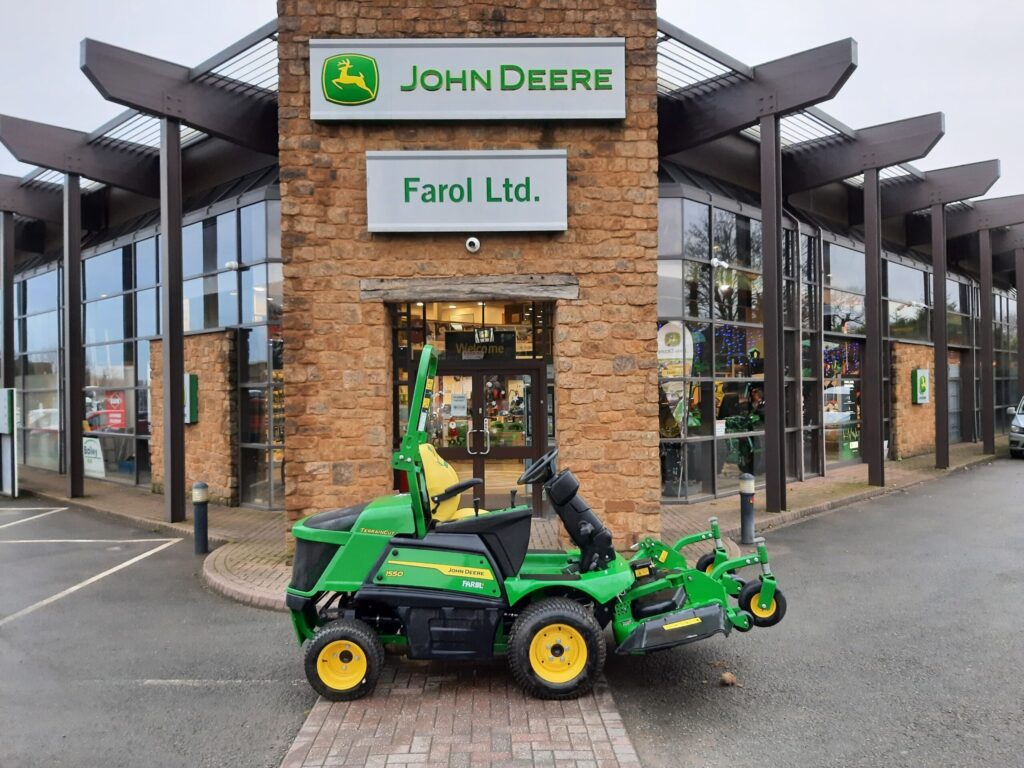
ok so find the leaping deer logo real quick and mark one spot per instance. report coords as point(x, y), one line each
point(344, 78)
point(350, 79)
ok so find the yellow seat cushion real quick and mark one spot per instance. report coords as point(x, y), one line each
point(439, 475)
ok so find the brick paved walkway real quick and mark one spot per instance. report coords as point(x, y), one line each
point(435, 715)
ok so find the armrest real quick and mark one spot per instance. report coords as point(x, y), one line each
point(456, 490)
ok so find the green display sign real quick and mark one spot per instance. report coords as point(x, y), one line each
point(921, 386)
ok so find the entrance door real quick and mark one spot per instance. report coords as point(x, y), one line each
point(489, 423)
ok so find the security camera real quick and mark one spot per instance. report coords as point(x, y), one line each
point(472, 244)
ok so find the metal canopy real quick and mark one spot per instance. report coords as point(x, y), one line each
point(945, 185)
point(822, 162)
point(222, 107)
point(696, 115)
point(33, 202)
point(62, 149)
point(1004, 240)
point(992, 213)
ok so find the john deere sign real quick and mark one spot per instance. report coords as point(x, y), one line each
point(467, 79)
point(466, 191)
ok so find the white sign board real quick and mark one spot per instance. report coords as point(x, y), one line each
point(466, 191)
point(92, 456)
point(459, 406)
point(468, 79)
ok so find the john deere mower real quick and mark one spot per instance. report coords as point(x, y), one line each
point(425, 577)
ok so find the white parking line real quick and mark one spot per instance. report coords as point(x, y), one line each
point(87, 582)
point(83, 541)
point(34, 517)
point(25, 509)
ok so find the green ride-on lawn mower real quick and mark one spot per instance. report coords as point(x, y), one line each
point(415, 572)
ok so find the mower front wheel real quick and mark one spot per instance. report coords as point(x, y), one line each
point(343, 660)
point(750, 601)
point(556, 649)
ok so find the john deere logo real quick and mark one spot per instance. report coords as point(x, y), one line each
point(350, 79)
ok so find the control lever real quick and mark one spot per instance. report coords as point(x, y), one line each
point(513, 493)
point(476, 507)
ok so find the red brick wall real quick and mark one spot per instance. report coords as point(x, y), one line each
point(211, 445)
point(338, 351)
point(912, 429)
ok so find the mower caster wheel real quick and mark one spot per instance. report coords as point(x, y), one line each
point(556, 649)
point(749, 601)
point(706, 563)
point(343, 660)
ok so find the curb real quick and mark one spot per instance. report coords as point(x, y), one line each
point(156, 526)
point(215, 575)
point(789, 517)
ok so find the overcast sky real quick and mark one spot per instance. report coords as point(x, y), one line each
point(915, 56)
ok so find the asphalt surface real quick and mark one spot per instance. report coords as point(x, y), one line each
point(142, 667)
point(903, 644)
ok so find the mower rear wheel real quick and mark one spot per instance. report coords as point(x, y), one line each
point(750, 601)
point(343, 660)
point(556, 649)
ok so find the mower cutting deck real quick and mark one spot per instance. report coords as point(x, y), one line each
point(415, 572)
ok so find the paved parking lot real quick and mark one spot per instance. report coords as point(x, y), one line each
point(112, 653)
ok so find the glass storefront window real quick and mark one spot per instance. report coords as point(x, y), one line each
point(109, 365)
point(147, 313)
point(909, 321)
point(739, 455)
point(253, 227)
point(110, 410)
point(843, 312)
point(192, 250)
point(906, 284)
point(255, 365)
point(738, 296)
point(147, 266)
point(41, 292)
point(476, 330)
point(227, 241)
point(105, 320)
point(697, 230)
point(739, 351)
point(670, 288)
point(42, 332)
point(670, 226)
point(40, 370)
point(106, 274)
point(844, 268)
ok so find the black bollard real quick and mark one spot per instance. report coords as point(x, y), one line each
point(746, 508)
point(200, 499)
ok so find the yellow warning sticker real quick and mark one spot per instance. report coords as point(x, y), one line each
point(681, 624)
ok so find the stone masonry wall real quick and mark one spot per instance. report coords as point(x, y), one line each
point(912, 426)
point(211, 446)
point(338, 352)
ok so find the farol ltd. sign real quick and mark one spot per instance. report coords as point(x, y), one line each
point(466, 191)
point(467, 79)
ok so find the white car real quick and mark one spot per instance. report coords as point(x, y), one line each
point(1017, 430)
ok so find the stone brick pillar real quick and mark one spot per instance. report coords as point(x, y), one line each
point(912, 427)
point(211, 445)
point(338, 354)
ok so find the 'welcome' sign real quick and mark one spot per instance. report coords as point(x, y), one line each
point(468, 79)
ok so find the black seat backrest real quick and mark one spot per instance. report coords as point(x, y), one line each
point(584, 527)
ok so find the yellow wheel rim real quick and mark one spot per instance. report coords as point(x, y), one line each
point(709, 569)
point(757, 610)
point(558, 654)
point(341, 665)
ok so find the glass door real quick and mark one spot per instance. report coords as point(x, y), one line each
point(490, 425)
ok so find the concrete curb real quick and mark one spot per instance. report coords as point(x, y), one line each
point(218, 578)
point(156, 526)
point(789, 517)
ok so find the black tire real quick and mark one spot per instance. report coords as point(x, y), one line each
point(1016, 454)
point(748, 602)
point(353, 637)
point(705, 562)
point(551, 617)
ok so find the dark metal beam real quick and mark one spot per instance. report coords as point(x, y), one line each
point(6, 299)
point(939, 332)
point(74, 356)
point(777, 87)
point(1019, 282)
point(986, 342)
point(945, 185)
point(67, 151)
point(774, 367)
point(165, 89)
point(872, 391)
point(173, 348)
point(29, 201)
point(815, 163)
point(992, 213)
point(1008, 239)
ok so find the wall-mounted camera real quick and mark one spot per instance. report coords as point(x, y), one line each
point(472, 244)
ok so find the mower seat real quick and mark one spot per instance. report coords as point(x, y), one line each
point(439, 476)
point(584, 527)
point(335, 519)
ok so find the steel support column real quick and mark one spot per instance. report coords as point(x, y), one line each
point(171, 320)
point(988, 393)
point(74, 357)
point(774, 362)
point(939, 337)
point(872, 413)
point(1018, 255)
point(6, 299)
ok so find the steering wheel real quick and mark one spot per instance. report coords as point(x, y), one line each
point(539, 469)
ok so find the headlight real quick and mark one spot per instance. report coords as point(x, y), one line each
point(1015, 428)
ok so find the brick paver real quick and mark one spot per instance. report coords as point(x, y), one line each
point(461, 716)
